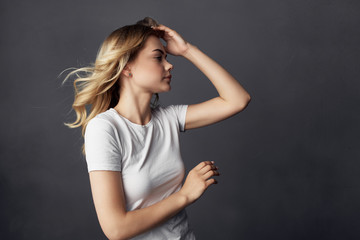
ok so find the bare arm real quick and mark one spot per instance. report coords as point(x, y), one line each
point(117, 223)
point(227, 86)
point(232, 98)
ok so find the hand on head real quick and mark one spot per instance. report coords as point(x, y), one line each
point(175, 44)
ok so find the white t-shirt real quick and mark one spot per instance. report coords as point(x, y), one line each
point(148, 157)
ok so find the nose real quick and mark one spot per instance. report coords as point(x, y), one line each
point(169, 66)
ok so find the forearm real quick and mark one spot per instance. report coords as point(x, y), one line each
point(140, 220)
point(227, 86)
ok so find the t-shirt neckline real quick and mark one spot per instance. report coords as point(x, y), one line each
point(132, 123)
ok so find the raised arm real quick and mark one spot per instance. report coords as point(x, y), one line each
point(232, 98)
point(117, 223)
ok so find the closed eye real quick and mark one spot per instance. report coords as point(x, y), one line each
point(160, 58)
point(161, 51)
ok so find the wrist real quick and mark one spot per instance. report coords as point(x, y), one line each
point(187, 54)
point(183, 198)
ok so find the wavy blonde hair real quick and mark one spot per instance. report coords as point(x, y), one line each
point(98, 85)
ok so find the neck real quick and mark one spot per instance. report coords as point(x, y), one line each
point(134, 106)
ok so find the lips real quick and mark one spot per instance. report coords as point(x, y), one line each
point(168, 77)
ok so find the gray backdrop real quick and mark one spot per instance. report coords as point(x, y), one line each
point(289, 162)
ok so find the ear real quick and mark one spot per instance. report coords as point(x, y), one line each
point(126, 71)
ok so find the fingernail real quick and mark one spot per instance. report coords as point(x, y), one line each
point(212, 162)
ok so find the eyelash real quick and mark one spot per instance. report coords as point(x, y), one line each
point(159, 58)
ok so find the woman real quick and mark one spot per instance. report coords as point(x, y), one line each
point(132, 148)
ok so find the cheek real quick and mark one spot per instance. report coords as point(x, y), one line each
point(149, 76)
point(151, 71)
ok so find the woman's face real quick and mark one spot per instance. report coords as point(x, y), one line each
point(150, 68)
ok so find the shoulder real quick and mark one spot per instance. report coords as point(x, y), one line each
point(174, 109)
point(175, 114)
point(104, 121)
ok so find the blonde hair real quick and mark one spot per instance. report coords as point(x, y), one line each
point(99, 84)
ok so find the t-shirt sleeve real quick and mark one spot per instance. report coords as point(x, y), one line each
point(102, 147)
point(180, 112)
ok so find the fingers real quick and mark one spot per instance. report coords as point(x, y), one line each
point(207, 169)
point(203, 164)
point(210, 182)
point(161, 27)
point(164, 28)
point(210, 174)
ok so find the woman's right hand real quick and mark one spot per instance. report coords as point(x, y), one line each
point(198, 180)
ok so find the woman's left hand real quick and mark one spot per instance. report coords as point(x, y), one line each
point(175, 44)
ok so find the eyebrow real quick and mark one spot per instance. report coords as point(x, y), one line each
point(159, 50)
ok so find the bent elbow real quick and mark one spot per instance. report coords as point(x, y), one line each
point(112, 235)
point(248, 101)
point(115, 235)
point(243, 104)
point(115, 232)
point(120, 233)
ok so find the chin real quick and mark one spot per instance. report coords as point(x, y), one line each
point(167, 89)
